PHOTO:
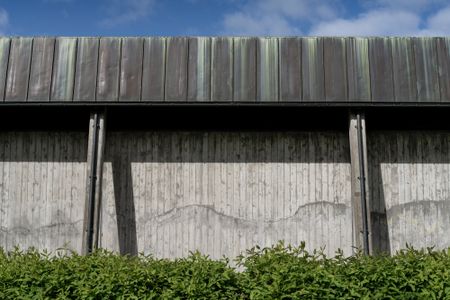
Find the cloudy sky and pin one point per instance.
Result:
(225, 17)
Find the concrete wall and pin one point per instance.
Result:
(42, 189)
(221, 193)
(168, 193)
(410, 188)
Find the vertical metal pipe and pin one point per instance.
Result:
(92, 184)
(362, 182)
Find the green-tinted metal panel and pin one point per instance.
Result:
(404, 71)
(425, 55)
(335, 69)
(443, 49)
(154, 69)
(290, 69)
(4, 55)
(244, 69)
(381, 76)
(267, 69)
(41, 69)
(18, 69)
(64, 69)
(108, 69)
(86, 69)
(176, 69)
(131, 69)
(313, 69)
(358, 69)
(199, 69)
(222, 69)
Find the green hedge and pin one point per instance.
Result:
(270, 273)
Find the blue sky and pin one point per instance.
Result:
(225, 17)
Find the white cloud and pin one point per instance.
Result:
(4, 21)
(409, 5)
(245, 24)
(276, 17)
(379, 22)
(328, 17)
(387, 22)
(438, 24)
(126, 11)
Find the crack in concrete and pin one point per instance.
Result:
(27, 230)
(177, 211)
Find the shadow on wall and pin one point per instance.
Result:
(409, 175)
(124, 149)
(410, 189)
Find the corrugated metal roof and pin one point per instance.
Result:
(225, 69)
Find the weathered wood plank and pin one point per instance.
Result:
(154, 69)
(5, 44)
(356, 194)
(426, 61)
(244, 70)
(290, 70)
(313, 69)
(222, 69)
(99, 179)
(176, 71)
(18, 69)
(381, 76)
(41, 69)
(86, 69)
(64, 69)
(404, 71)
(108, 69)
(131, 69)
(358, 69)
(87, 205)
(199, 69)
(335, 69)
(267, 69)
(443, 50)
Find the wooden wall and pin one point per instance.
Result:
(169, 193)
(410, 188)
(42, 189)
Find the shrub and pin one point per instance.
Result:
(278, 272)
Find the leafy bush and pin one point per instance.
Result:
(278, 272)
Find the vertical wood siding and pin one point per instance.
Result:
(42, 184)
(169, 193)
